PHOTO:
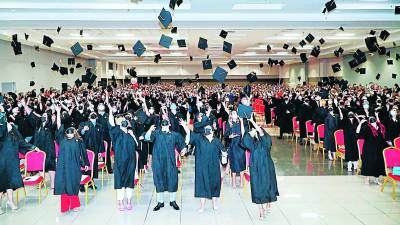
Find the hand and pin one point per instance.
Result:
(86, 128)
(183, 152)
(100, 155)
(86, 168)
(9, 127)
(233, 136)
(182, 123)
(141, 138)
(152, 128)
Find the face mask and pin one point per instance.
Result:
(393, 113)
(93, 117)
(69, 136)
(20, 105)
(365, 106)
(43, 119)
(124, 124)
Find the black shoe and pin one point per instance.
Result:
(158, 206)
(110, 171)
(174, 205)
(91, 187)
(82, 188)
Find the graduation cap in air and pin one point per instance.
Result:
(336, 67)
(172, 4)
(251, 77)
(14, 37)
(294, 50)
(78, 65)
(138, 48)
(63, 70)
(245, 111)
(384, 35)
(361, 70)
(78, 82)
(71, 61)
(341, 28)
(388, 53)
(179, 2)
(372, 32)
(16, 47)
(394, 75)
(382, 50)
(261, 65)
(231, 64)
(165, 41)
(89, 47)
(315, 51)
(378, 76)
(55, 67)
(299, 78)
(121, 48)
(302, 43)
(281, 63)
(389, 62)
(220, 74)
(270, 62)
(191, 58)
(178, 83)
(165, 18)
(76, 49)
(397, 56)
(303, 57)
(32, 83)
(181, 43)
(196, 76)
(397, 9)
(174, 30)
(285, 46)
(268, 48)
(26, 36)
(58, 30)
(202, 43)
(71, 70)
(223, 34)
(36, 47)
(321, 41)
(33, 64)
(227, 47)
(207, 64)
(372, 44)
(47, 41)
(157, 58)
(310, 38)
(132, 71)
(329, 6)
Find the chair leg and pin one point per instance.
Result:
(40, 192)
(102, 177)
(94, 188)
(384, 183)
(394, 185)
(86, 193)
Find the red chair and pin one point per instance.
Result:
(21, 163)
(273, 116)
(296, 128)
(397, 142)
(310, 133)
(102, 164)
(391, 156)
(87, 180)
(35, 163)
(261, 109)
(339, 143)
(224, 127)
(321, 135)
(57, 148)
(219, 121)
(360, 145)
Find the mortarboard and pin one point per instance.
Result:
(165, 18)
(378, 76)
(181, 43)
(139, 49)
(132, 71)
(220, 74)
(174, 30)
(207, 64)
(251, 77)
(310, 38)
(16, 47)
(165, 41)
(223, 34)
(191, 58)
(26, 36)
(336, 67)
(121, 48)
(78, 82)
(227, 47)
(78, 65)
(303, 57)
(315, 51)
(245, 111)
(71, 70)
(58, 30)
(33, 64)
(372, 32)
(179, 2)
(294, 50)
(397, 56)
(89, 47)
(330, 5)
(71, 61)
(281, 63)
(390, 62)
(285, 46)
(363, 70)
(231, 64)
(302, 43)
(299, 78)
(388, 53)
(81, 32)
(36, 47)
(270, 62)
(382, 50)
(47, 41)
(341, 28)
(321, 41)
(202, 43)
(63, 70)
(372, 44)
(397, 9)
(32, 83)
(157, 58)
(14, 37)
(384, 35)
(196, 76)
(261, 65)
(268, 48)
(76, 49)
(55, 67)
(394, 75)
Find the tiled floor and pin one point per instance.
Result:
(307, 197)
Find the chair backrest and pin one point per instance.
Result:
(262, 108)
(294, 123)
(57, 148)
(90, 155)
(21, 156)
(339, 137)
(391, 156)
(309, 127)
(321, 132)
(219, 123)
(104, 154)
(35, 161)
(397, 142)
(360, 146)
(273, 115)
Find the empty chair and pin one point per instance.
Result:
(391, 156)
(296, 128)
(321, 135)
(87, 180)
(339, 143)
(310, 133)
(102, 164)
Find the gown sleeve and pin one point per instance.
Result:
(23, 146)
(194, 138)
(247, 142)
(179, 142)
(84, 156)
(60, 134)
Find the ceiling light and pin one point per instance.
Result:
(257, 7)
(365, 6)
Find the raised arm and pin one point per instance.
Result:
(58, 120)
(187, 130)
(111, 119)
(241, 126)
(258, 128)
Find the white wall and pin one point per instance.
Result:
(18, 69)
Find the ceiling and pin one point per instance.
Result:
(251, 25)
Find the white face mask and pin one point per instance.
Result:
(393, 113)
(365, 106)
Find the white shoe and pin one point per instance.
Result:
(376, 181)
(12, 205)
(201, 210)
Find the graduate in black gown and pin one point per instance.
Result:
(264, 187)
(165, 172)
(304, 114)
(92, 133)
(72, 156)
(284, 114)
(125, 164)
(11, 143)
(349, 125)
(103, 120)
(392, 125)
(207, 165)
(331, 125)
(236, 153)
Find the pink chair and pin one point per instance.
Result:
(102, 165)
(339, 143)
(219, 121)
(247, 160)
(310, 133)
(87, 180)
(397, 142)
(35, 163)
(57, 148)
(296, 128)
(391, 155)
(224, 127)
(321, 135)
(360, 145)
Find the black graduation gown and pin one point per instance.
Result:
(124, 158)
(392, 129)
(71, 157)
(305, 113)
(138, 128)
(264, 187)
(318, 118)
(267, 111)
(10, 144)
(331, 125)
(94, 141)
(148, 148)
(44, 140)
(350, 139)
(236, 154)
(165, 172)
(372, 156)
(207, 166)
